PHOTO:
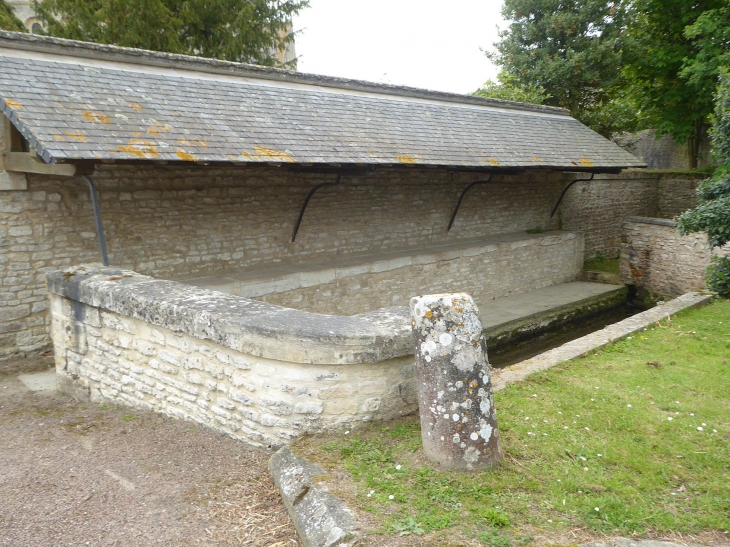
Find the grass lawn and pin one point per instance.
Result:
(632, 440)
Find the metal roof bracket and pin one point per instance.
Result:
(568, 188)
(461, 198)
(306, 202)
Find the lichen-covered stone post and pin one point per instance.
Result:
(455, 399)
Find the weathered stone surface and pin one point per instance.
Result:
(657, 259)
(456, 404)
(320, 519)
(163, 346)
(172, 221)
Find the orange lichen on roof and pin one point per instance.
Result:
(153, 131)
(493, 161)
(162, 126)
(58, 137)
(136, 106)
(136, 133)
(264, 153)
(197, 143)
(13, 104)
(411, 160)
(140, 148)
(76, 135)
(585, 162)
(96, 117)
(185, 156)
(538, 159)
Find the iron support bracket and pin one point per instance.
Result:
(461, 198)
(306, 202)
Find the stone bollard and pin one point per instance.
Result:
(455, 399)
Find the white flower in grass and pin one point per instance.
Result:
(397, 467)
(599, 455)
(699, 429)
(628, 406)
(704, 425)
(670, 418)
(597, 509)
(565, 427)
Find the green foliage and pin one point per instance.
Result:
(249, 31)
(495, 518)
(8, 21)
(720, 131)
(673, 68)
(572, 52)
(717, 275)
(712, 215)
(509, 88)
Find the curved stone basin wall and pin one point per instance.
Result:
(257, 372)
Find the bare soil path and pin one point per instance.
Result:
(86, 474)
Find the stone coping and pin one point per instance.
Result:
(651, 220)
(255, 282)
(251, 327)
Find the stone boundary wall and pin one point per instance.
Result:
(486, 269)
(259, 373)
(657, 259)
(170, 221)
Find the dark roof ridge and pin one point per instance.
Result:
(75, 48)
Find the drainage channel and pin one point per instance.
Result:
(512, 353)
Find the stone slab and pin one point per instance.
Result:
(321, 520)
(584, 345)
(40, 381)
(516, 317)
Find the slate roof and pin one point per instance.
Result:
(124, 110)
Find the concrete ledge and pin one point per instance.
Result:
(321, 520)
(582, 346)
(652, 220)
(596, 298)
(251, 327)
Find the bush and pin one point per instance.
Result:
(717, 275)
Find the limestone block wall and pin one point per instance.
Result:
(657, 259)
(170, 221)
(257, 372)
(677, 194)
(486, 269)
(600, 208)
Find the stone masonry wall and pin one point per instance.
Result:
(203, 356)
(500, 267)
(171, 221)
(656, 259)
(676, 195)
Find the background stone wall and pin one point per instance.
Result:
(172, 221)
(657, 259)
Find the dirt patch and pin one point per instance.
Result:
(86, 474)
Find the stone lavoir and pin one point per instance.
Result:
(330, 202)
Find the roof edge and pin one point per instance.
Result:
(60, 46)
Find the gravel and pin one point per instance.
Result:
(87, 474)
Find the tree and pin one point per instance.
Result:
(509, 88)
(249, 31)
(673, 69)
(573, 51)
(8, 21)
(712, 215)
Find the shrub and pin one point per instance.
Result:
(717, 275)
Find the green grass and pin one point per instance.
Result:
(608, 443)
(602, 264)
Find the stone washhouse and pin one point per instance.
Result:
(237, 245)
